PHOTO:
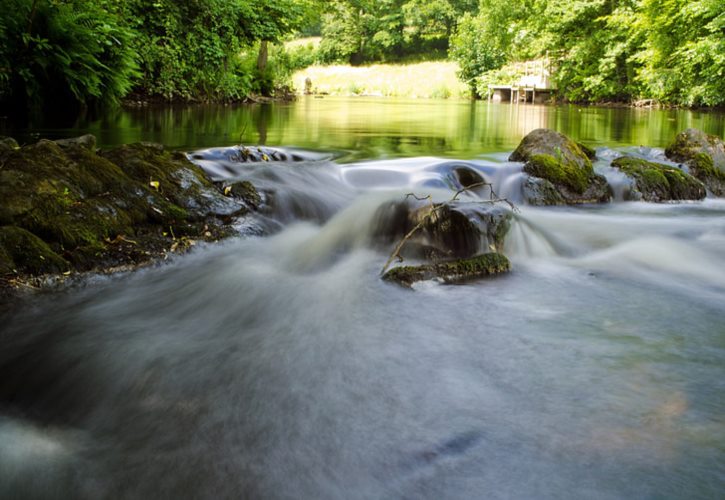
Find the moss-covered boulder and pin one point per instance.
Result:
(554, 157)
(455, 271)
(656, 182)
(704, 155)
(447, 230)
(22, 251)
(75, 208)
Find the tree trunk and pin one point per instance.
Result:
(262, 57)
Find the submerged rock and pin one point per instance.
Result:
(555, 158)
(456, 271)
(704, 155)
(74, 209)
(656, 182)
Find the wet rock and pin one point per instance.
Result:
(704, 155)
(657, 183)
(540, 192)
(452, 229)
(552, 156)
(455, 271)
(22, 251)
(244, 191)
(87, 141)
(75, 209)
(255, 154)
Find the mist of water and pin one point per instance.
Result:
(283, 367)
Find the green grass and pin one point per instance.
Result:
(432, 79)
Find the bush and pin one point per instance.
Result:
(52, 52)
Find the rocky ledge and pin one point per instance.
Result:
(68, 207)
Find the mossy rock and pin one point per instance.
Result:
(456, 271)
(123, 206)
(175, 180)
(244, 191)
(589, 152)
(8, 144)
(453, 229)
(657, 183)
(22, 251)
(87, 141)
(704, 155)
(566, 165)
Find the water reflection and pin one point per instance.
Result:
(380, 127)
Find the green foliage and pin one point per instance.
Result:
(78, 50)
(359, 31)
(488, 40)
(669, 50)
(98, 51)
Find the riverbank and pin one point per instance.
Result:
(69, 208)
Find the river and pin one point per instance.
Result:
(281, 366)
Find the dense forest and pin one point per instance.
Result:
(91, 52)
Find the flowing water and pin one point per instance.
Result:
(279, 365)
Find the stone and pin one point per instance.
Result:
(453, 229)
(451, 272)
(657, 183)
(554, 157)
(87, 141)
(703, 154)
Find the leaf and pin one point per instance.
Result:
(155, 184)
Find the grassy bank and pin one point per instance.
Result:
(436, 79)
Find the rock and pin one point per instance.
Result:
(22, 251)
(244, 191)
(180, 181)
(554, 157)
(76, 209)
(8, 144)
(704, 155)
(456, 271)
(589, 152)
(656, 182)
(87, 141)
(454, 229)
(539, 191)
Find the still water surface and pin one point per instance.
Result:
(283, 367)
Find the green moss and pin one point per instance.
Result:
(22, 251)
(559, 171)
(586, 150)
(245, 191)
(456, 271)
(703, 166)
(659, 182)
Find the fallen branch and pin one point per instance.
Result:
(433, 209)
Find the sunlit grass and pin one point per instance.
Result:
(435, 79)
(303, 42)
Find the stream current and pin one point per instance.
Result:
(279, 365)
